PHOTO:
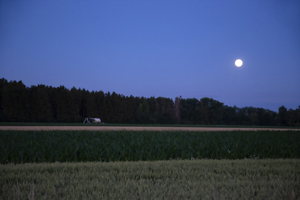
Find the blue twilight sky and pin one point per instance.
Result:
(157, 48)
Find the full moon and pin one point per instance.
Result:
(238, 63)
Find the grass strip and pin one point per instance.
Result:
(196, 179)
(141, 125)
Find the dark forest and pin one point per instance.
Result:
(41, 103)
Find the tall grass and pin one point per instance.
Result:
(82, 146)
(196, 179)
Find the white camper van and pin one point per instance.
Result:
(92, 120)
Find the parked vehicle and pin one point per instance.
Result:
(92, 120)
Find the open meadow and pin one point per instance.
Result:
(93, 162)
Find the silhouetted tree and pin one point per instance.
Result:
(177, 110)
(40, 107)
(143, 113)
(15, 102)
(3, 83)
(282, 117)
(229, 115)
(41, 103)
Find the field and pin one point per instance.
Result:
(91, 146)
(146, 164)
(193, 179)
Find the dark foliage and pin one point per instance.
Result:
(83, 146)
(41, 103)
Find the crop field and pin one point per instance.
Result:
(90, 146)
(65, 164)
(193, 179)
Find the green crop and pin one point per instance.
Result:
(83, 146)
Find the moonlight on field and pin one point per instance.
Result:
(238, 63)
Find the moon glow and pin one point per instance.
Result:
(238, 63)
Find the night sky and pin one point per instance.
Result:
(160, 48)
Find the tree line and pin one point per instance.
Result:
(41, 103)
